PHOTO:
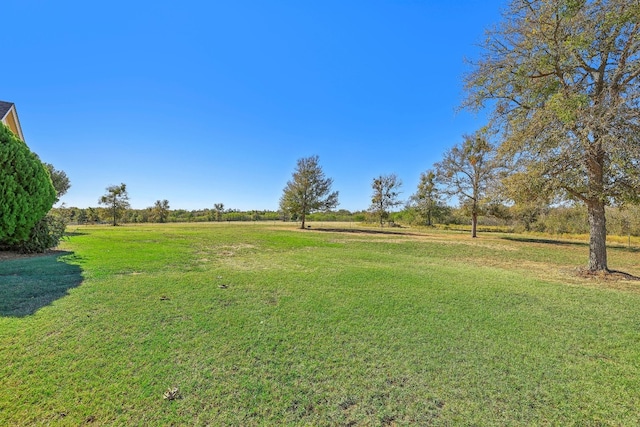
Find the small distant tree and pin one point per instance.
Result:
(160, 210)
(308, 191)
(26, 191)
(116, 199)
(60, 181)
(386, 190)
(427, 200)
(466, 171)
(93, 215)
(219, 209)
(82, 216)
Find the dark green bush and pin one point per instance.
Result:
(26, 191)
(46, 234)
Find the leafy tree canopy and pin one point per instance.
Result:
(427, 200)
(466, 171)
(60, 181)
(160, 210)
(563, 80)
(385, 196)
(308, 191)
(219, 210)
(117, 199)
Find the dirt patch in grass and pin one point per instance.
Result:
(617, 280)
(563, 274)
(606, 276)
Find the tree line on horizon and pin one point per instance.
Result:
(555, 220)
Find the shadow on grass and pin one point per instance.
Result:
(365, 231)
(625, 276)
(619, 248)
(546, 241)
(74, 233)
(30, 283)
(610, 246)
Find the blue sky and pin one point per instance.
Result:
(203, 102)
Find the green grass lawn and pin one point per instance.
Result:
(267, 325)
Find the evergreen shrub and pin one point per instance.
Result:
(26, 190)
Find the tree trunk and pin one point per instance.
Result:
(597, 236)
(303, 212)
(474, 207)
(474, 224)
(595, 208)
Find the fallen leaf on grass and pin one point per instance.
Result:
(172, 393)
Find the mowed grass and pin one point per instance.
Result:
(262, 324)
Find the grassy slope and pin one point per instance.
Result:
(317, 328)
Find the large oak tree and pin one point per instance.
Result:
(308, 191)
(563, 80)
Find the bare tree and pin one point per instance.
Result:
(308, 191)
(563, 80)
(466, 171)
(386, 190)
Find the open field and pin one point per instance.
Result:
(263, 324)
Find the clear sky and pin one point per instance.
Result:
(203, 102)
